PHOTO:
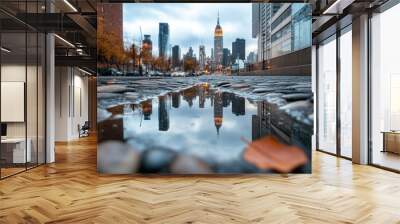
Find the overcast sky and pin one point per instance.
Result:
(190, 24)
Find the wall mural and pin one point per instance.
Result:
(193, 88)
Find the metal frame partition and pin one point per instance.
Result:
(382, 8)
(339, 28)
(38, 118)
(336, 30)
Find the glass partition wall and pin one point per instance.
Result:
(334, 94)
(326, 59)
(22, 77)
(345, 90)
(385, 89)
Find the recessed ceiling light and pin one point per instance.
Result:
(84, 71)
(70, 5)
(337, 7)
(5, 50)
(64, 40)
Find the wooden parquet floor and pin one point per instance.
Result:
(70, 191)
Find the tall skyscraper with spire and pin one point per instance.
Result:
(218, 43)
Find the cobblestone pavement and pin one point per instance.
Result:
(291, 94)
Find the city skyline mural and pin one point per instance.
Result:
(204, 88)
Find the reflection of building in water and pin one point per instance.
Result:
(218, 110)
(189, 95)
(110, 129)
(238, 105)
(163, 115)
(176, 99)
(255, 127)
(261, 124)
(226, 99)
(212, 94)
(147, 108)
(201, 92)
(116, 110)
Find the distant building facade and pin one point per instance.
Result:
(202, 57)
(176, 56)
(239, 49)
(251, 58)
(226, 57)
(163, 40)
(147, 45)
(189, 54)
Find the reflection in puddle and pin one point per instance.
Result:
(196, 130)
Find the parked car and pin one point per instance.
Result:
(178, 74)
(135, 73)
(110, 72)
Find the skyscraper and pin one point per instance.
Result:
(218, 43)
(147, 46)
(176, 56)
(163, 39)
(239, 49)
(226, 57)
(252, 58)
(202, 57)
(189, 54)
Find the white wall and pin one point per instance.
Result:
(16, 73)
(33, 126)
(71, 102)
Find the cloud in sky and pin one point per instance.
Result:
(190, 24)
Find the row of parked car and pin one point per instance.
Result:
(186, 74)
(116, 72)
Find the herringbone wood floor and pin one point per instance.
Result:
(70, 191)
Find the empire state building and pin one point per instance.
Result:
(218, 43)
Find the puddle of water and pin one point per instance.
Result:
(208, 128)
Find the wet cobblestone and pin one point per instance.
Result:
(291, 95)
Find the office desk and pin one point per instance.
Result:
(391, 141)
(13, 150)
